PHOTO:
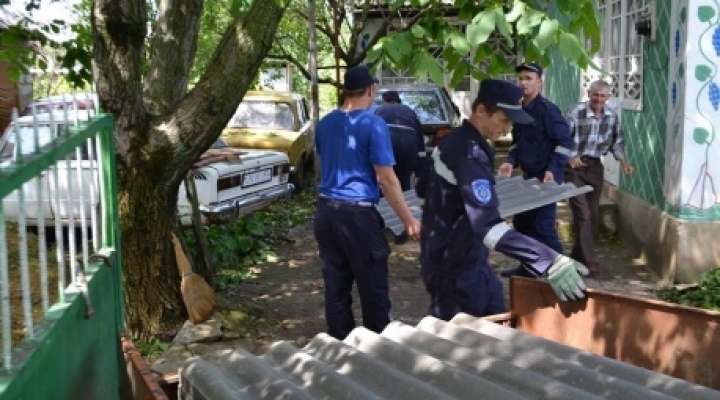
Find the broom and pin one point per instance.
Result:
(198, 296)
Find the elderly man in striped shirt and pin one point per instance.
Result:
(595, 131)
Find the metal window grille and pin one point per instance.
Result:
(621, 52)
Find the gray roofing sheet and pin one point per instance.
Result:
(466, 358)
(515, 195)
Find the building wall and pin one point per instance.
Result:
(692, 187)
(562, 79)
(645, 130)
(670, 209)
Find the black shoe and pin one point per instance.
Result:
(519, 271)
(401, 238)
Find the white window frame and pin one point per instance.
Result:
(621, 53)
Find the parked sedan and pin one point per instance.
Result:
(83, 101)
(275, 121)
(230, 182)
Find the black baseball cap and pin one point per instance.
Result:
(505, 96)
(530, 66)
(391, 96)
(358, 77)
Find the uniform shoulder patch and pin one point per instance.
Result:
(481, 190)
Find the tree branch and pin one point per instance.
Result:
(173, 43)
(302, 69)
(119, 30)
(202, 114)
(355, 58)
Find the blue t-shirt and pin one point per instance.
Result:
(349, 145)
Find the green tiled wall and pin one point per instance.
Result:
(645, 130)
(562, 83)
(562, 80)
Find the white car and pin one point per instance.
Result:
(239, 182)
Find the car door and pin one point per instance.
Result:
(308, 126)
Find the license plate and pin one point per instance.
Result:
(257, 177)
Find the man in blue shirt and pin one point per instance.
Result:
(461, 221)
(356, 159)
(541, 148)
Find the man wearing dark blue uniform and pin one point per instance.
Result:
(461, 221)
(406, 134)
(356, 158)
(541, 148)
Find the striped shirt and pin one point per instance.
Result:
(592, 136)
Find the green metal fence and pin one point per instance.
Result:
(60, 276)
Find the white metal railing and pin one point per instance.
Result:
(57, 201)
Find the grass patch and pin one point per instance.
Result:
(238, 246)
(17, 312)
(705, 295)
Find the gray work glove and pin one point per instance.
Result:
(564, 276)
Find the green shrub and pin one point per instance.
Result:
(237, 246)
(706, 295)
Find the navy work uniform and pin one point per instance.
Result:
(540, 146)
(347, 226)
(461, 220)
(407, 137)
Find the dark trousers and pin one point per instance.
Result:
(477, 292)
(540, 224)
(353, 248)
(405, 148)
(586, 209)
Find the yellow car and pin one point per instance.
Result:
(275, 121)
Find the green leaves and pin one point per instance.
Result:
(702, 72)
(529, 20)
(484, 35)
(701, 135)
(430, 64)
(706, 13)
(479, 30)
(569, 46)
(547, 33)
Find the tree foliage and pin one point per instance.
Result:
(533, 26)
(409, 33)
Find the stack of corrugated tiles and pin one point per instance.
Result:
(466, 358)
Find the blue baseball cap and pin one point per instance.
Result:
(530, 66)
(505, 96)
(358, 77)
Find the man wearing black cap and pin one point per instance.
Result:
(461, 221)
(541, 148)
(355, 159)
(406, 135)
(407, 140)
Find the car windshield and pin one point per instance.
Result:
(219, 144)
(426, 104)
(263, 114)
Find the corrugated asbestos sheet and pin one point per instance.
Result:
(466, 358)
(515, 195)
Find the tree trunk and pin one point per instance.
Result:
(151, 287)
(160, 131)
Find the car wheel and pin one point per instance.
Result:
(297, 178)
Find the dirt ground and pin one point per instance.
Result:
(286, 298)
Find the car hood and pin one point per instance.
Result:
(249, 159)
(259, 138)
